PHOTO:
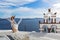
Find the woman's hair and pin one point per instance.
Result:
(12, 17)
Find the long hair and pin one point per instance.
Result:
(12, 17)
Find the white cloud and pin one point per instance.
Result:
(19, 1)
(58, 12)
(45, 0)
(54, 5)
(57, 5)
(32, 13)
(24, 11)
(7, 3)
(52, 2)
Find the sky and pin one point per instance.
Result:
(28, 8)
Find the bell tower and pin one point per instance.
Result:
(50, 17)
(45, 18)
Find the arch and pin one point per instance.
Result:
(45, 27)
(53, 28)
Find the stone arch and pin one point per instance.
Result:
(45, 27)
(53, 28)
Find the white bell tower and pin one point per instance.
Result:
(49, 16)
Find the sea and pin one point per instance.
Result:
(27, 24)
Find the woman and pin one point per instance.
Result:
(17, 35)
(14, 25)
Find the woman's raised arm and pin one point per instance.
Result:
(20, 21)
(8, 19)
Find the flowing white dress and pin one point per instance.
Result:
(14, 24)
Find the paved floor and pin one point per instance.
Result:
(45, 36)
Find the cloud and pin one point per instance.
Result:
(13, 7)
(57, 5)
(16, 3)
(35, 13)
(30, 12)
(54, 5)
(52, 2)
(45, 0)
(24, 12)
(58, 12)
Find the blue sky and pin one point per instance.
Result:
(37, 4)
(27, 8)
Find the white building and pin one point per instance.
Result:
(50, 24)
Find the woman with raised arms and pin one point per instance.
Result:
(14, 25)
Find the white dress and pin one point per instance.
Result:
(14, 24)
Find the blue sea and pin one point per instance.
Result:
(27, 24)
